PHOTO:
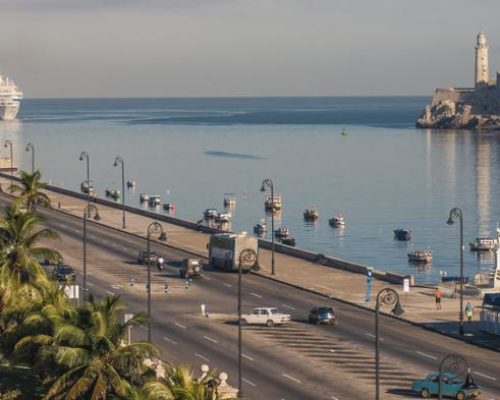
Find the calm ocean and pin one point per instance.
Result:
(384, 174)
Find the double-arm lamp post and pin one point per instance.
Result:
(30, 146)
(389, 297)
(119, 160)
(153, 228)
(456, 213)
(268, 183)
(89, 211)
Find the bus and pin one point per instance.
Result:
(227, 250)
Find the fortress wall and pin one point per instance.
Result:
(445, 95)
(483, 101)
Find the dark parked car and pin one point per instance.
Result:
(144, 258)
(63, 273)
(322, 315)
(191, 268)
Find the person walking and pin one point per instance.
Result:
(468, 311)
(437, 296)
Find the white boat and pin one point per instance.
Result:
(229, 200)
(311, 214)
(10, 99)
(273, 203)
(210, 214)
(260, 228)
(338, 221)
(144, 197)
(87, 187)
(282, 232)
(486, 243)
(223, 217)
(154, 200)
(420, 256)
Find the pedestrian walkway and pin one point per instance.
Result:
(419, 304)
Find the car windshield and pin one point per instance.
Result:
(325, 310)
(65, 270)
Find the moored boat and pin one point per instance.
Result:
(311, 214)
(420, 256)
(87, 187)
(260, 228)
(131, 184)
(288, 240)
(144, 197)
(402, 234)
(229, 200)
(154, 200)
(484, 243)
(223, 217)
(338, 221)
(282, 232)
(169, 206)
(273, 202)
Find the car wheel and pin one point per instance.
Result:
(425, 393)
(270, 323)
(460, 396)
(244, 322)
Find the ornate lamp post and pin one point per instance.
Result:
(456, 213)
(247, 256)
(31, 147)
(89, 210)
(9, 144)
(153, 228)
(456, 365)
(119, 160)
(85, 155)
(269, 183)
(388, 297)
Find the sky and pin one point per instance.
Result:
(191, 48)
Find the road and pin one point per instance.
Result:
(298, 361)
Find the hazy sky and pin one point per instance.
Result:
(170, 48)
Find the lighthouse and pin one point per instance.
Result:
(482, 72)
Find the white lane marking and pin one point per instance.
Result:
(256, 295)
(332, 351)
(62, 225)
(110, 293)
(169, 340)
(373, 336)
(248, 382)
(426, 355)
(247, 357)
(210, 339)
(179, 325)
(484, 375)
(287, 306)
(90, 283)
(333, 398)
(117, 287)
(227, 284)
(291, 378)
(202, 357)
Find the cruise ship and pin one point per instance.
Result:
(10, 99)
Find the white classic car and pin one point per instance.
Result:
(269, 316)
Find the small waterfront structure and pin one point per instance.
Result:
(273, 202)
(229, 200)
(154, 200)
(420, 256)
(144, 197)
(338, 221)
(210, 214)
(282, 232)
(311, 214)
(402, 234)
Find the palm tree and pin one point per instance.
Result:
(19, 252)
(30, 191)
(93, 363)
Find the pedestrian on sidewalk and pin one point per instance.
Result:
(437, 296)
(468, 311)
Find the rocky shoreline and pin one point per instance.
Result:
(449, 115)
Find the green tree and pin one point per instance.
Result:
(30, 191)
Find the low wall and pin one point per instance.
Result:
(328, 261)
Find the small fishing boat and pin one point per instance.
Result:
(337, 221)
(484, 243)
(289, 241)
(420, 256)
(311, 214)
(210, 214)
(115, 194)
(87, 187)
(108, 192)
(402, 234)
(169, 206)
(131, 184)
(154, 200)
(260, 228)
(144, 197)
(223, 217)
(282, 232)
(273, 202)
(229, 200)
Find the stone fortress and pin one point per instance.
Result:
(467, 108)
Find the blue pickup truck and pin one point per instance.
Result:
(451, 386)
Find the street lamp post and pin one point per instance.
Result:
(119, 160)
(31, 147)
(89, 210)
(247, 256)
(153, 228)
(85, 155)
(269, 183)
(388, 297)
(9, 144)
(456, 213)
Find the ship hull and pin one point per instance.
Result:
(8, 113)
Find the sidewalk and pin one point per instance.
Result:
(419, 304)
